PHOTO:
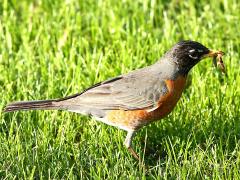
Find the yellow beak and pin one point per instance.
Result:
(213, 53)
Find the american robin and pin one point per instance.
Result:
(131, 101)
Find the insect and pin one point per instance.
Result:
(218, 62)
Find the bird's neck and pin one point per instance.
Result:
(171, 69)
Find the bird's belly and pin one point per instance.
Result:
(134, 119)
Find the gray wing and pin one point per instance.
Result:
(133, 91)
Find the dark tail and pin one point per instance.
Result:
(28, 105)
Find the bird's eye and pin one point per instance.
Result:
(193, 54)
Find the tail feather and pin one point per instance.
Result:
(28, 105)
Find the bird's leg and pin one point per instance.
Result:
(128, 142)
(130, 149)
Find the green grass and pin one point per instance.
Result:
(51, 49)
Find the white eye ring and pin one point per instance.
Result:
(193, 56)
(198, 50)
(192, 51)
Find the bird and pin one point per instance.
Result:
(133, 100)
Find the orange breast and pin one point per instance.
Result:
(169, 101)
(135, 119)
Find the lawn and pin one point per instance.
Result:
(51, 49)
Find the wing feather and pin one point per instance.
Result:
(129, 92)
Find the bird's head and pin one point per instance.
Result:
(186, 54)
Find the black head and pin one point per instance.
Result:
(186, 54)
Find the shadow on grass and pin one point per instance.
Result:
(223, 132)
